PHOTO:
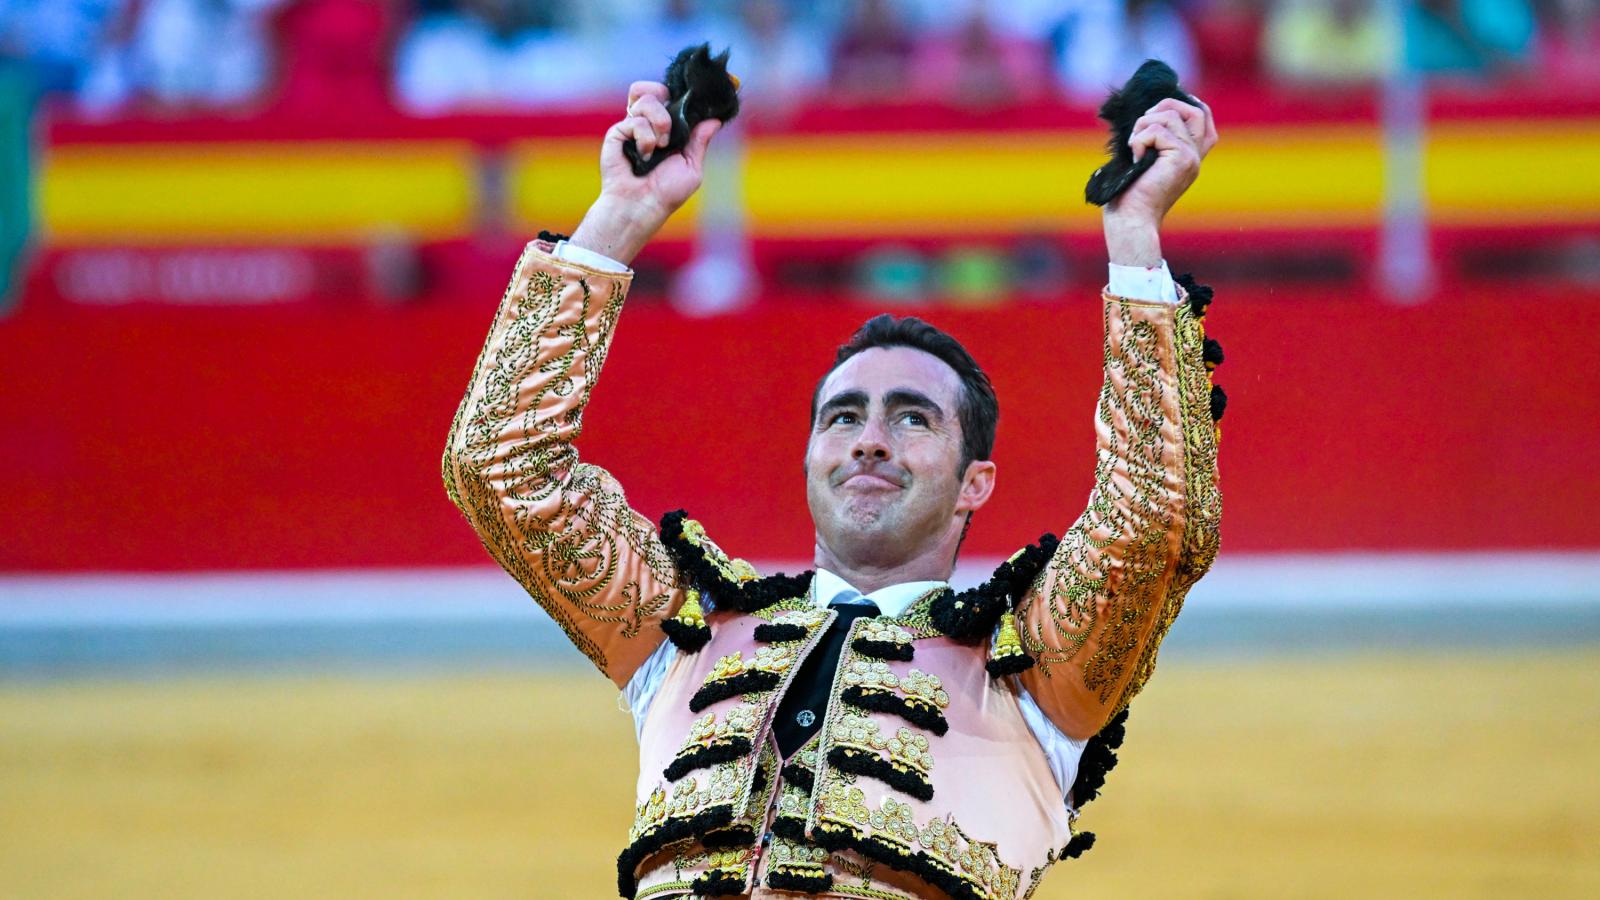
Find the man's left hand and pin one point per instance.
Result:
(1182, 134)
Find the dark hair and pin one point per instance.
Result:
(979, 409)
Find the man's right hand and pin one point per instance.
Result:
(630, 209)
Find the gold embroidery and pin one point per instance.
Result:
(775, 659)
(884, 632)
(1202, 497)
(908, 751)
(975, 862)
(916, 685)
(1135, 509)
(741, 721)
(561, 528)
(735, 570)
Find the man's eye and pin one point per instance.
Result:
(916, 418)
(843, 418)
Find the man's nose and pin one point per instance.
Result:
(872, 443)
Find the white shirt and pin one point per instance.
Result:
(1060, 751)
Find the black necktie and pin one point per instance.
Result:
(800, 714)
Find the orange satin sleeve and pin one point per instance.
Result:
(1095, 618)
(562, 528)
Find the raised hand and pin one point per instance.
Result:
(1182, 134)
(630, 209)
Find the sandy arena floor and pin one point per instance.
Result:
(1460, 775)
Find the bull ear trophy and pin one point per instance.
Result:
(1154, 82)
(699, 87)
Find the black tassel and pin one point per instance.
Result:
(798, 775)
(834, 836)
(668, 832)
(1098, 759)
(745, 596)
(888, 650)
(748, 682)
(725, 750)
(1211, 352)
(787, 877)
(688, 638)
(718, 883)
(916, 711)
(553, 237)
(1080, 844)
(862, 762)
(780, 632)
(1199, 294)
(1219, 403)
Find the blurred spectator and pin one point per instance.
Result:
(872, 54)
(1569, 43)
(334, 57)
(54, 38)
(644, 43)
(1102, 42)
(1471, 37)
(974, 65)
(778, 61)
(183, 56)
(489, 55)
(1228, 38)
(1329, 42)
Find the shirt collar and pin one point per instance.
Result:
(892, 601)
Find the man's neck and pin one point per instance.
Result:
(934, 564)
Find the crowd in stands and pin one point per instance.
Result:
(111, 58)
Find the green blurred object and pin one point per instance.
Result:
(975, 276)
(16, 182)
(894, 275)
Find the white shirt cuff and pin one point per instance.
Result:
(1143, 283)
(586, 257)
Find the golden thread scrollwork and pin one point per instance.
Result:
(561, 528)
(1091, 576)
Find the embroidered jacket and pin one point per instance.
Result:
(895, 796)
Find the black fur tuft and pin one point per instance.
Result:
(1153, 82)
(698, 88)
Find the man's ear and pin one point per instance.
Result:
(977, 483)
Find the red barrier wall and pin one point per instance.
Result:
(158, 439)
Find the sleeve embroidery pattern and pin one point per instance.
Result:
(1202, 495)
(559, 527)
(1087, 571)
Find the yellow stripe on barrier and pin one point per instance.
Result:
(936, 184)
(280, 191)
(1514, 172)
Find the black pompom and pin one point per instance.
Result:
(553, 237)
(1076, 847)
(1211, 352)
(698, 88)
(1152, 83)
(688, 638)
(1099, 757)
(1199, 294)
(1219, 403)
(1015, 664)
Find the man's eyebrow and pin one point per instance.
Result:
(916, 399)
(843, 400)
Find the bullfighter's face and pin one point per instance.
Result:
(884, 479)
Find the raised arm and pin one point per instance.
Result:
(1097, 615)
(560, 527)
